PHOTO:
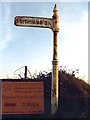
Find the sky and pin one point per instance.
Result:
(33, 47)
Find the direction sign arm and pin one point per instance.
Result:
(33, 22)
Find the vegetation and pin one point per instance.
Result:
(74, 94)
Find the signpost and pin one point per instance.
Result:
(53, 24)
(33, 22)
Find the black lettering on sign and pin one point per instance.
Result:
(29, 22)
(17, 20)
(41, 22)
(37, 21)
(33, 21)
(32, 104)
(25, 21)
(49, 23)
(45, 22)
(21, 21)
(10, 104)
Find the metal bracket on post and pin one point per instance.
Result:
(54, 84)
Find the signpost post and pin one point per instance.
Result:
(53, 24)
(54, 87)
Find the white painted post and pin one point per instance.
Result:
(54, 84)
